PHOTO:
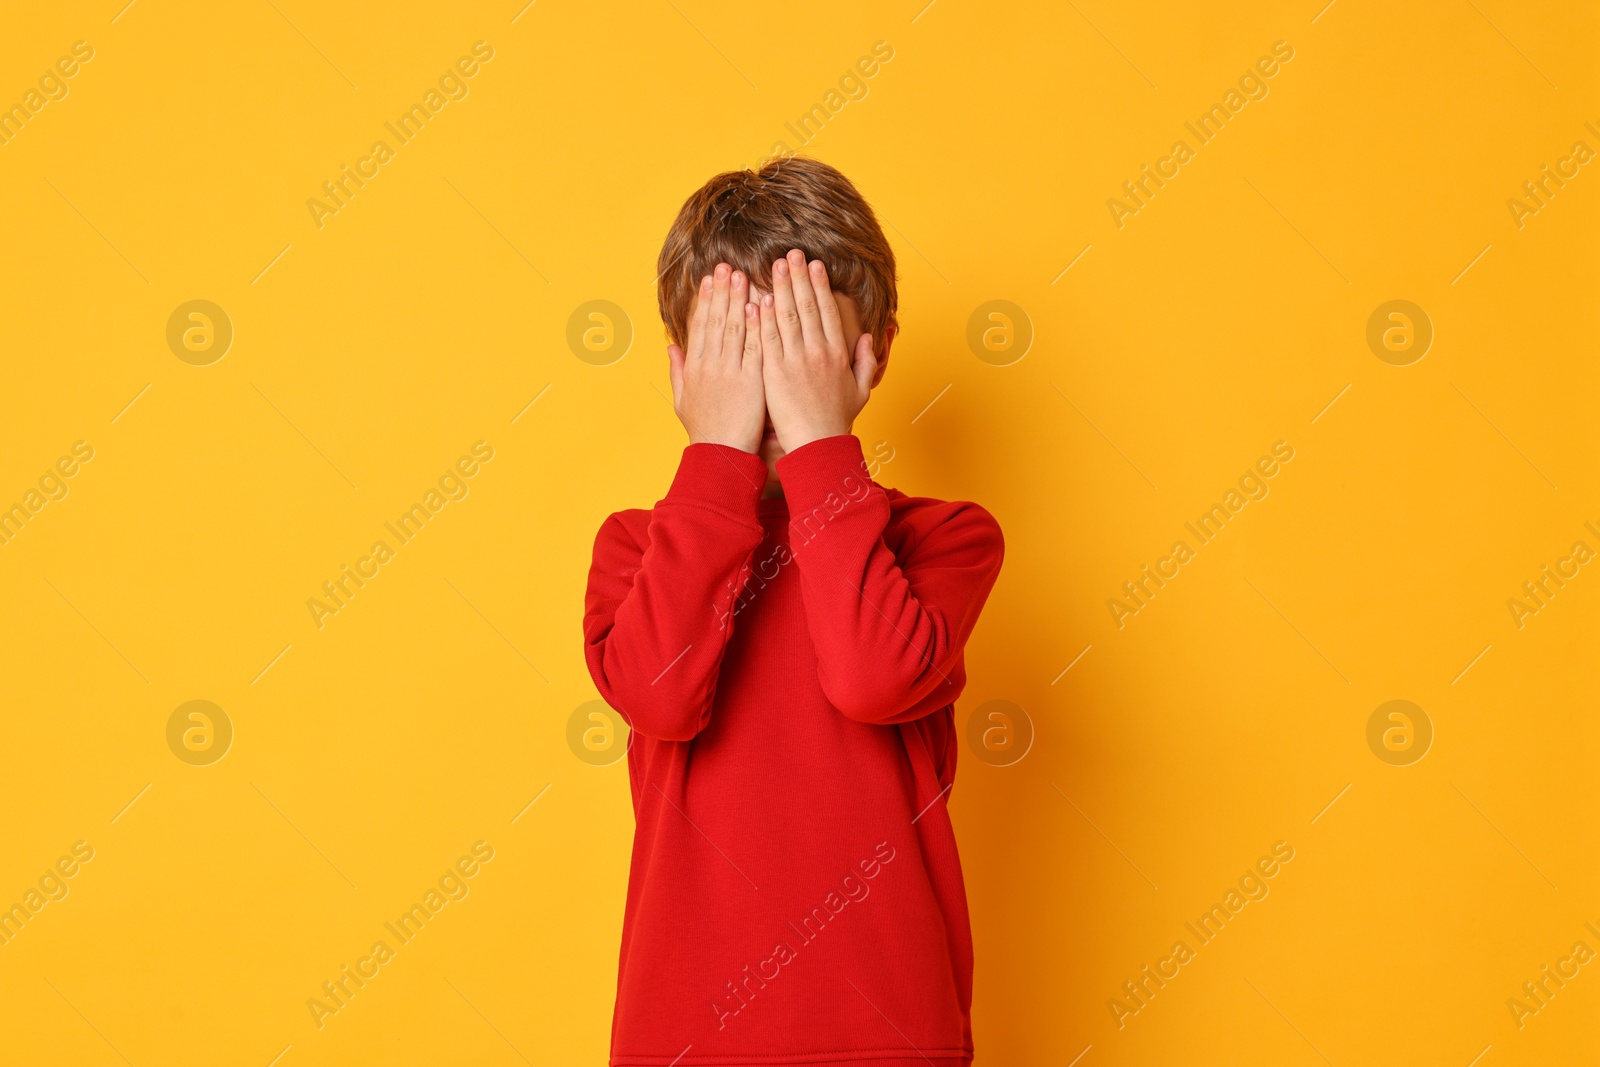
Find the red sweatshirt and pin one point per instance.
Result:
(789, 669)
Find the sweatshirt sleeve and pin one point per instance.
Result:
(889, 625)
(657, 615)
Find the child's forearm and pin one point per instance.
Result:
(658, 612)
(889, 632)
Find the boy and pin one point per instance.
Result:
(784, 636)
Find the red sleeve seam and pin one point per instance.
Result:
(712, 509)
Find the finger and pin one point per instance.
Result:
(785, 312)
(865, 366)
(805, 298)
(827, 306)
(697, 322)
(771, 336)
(675, 359)
(738, 297)
(751, 360)
(717, 318)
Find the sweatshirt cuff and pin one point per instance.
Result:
(828, 465)
(721, 478)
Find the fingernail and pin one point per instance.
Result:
(705, 283)
(766, 300)
(738, 277)
(782, 268)
(749, 311)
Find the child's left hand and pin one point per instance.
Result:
(815, 387)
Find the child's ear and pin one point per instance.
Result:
(881, 353)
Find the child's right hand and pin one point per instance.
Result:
(716, 384)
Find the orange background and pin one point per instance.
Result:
(370, 353)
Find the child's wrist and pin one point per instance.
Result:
(742, 442)
(719, 477)
(798, 438)
(830, 466)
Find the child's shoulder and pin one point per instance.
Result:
(916, 518)
(626, 529)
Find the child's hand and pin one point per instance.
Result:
(716, 385)
(815, 388)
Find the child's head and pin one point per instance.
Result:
(748, 219)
